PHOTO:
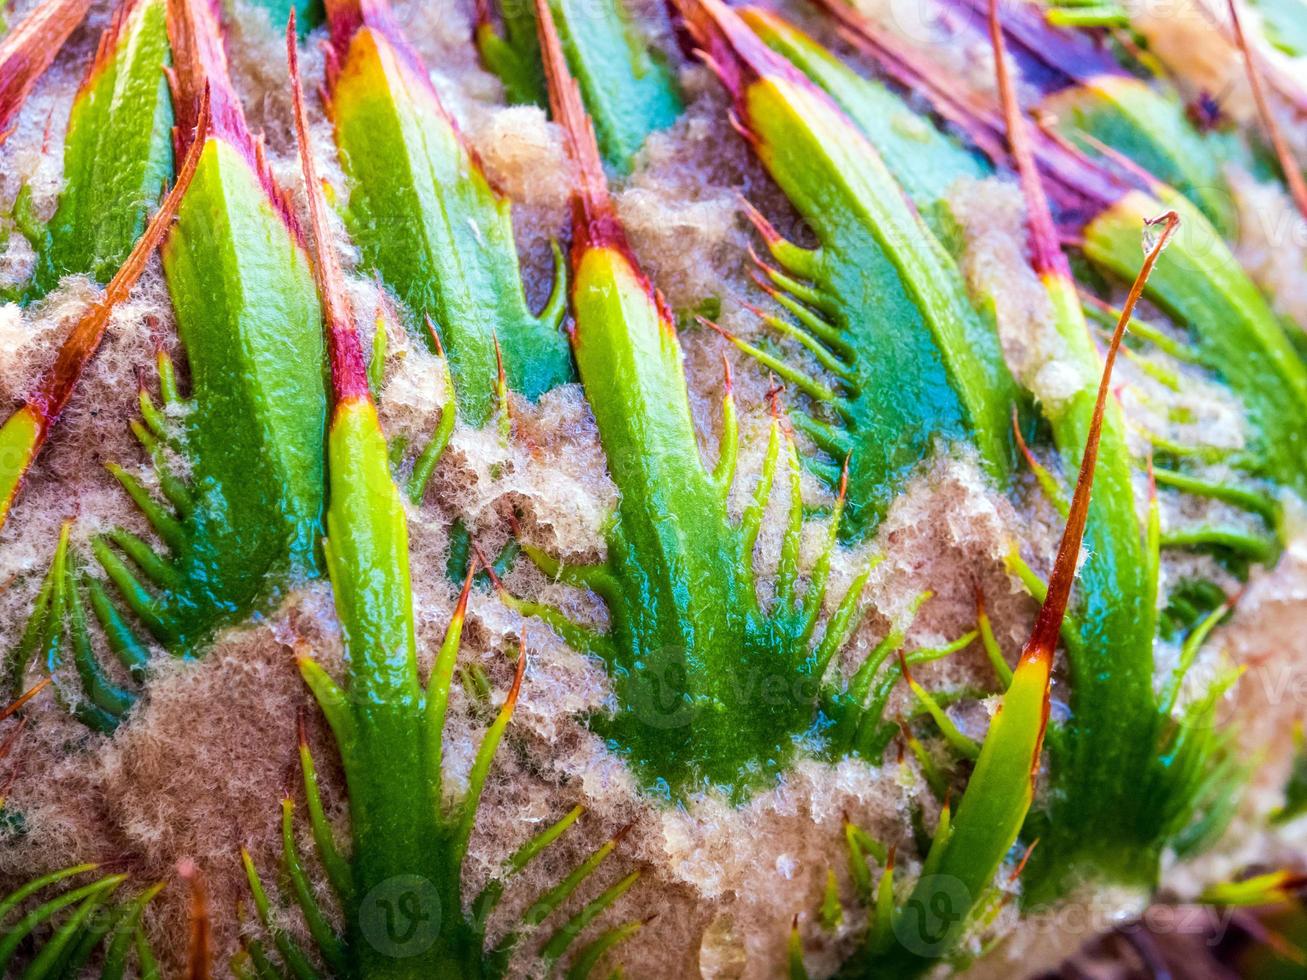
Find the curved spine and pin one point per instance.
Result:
(972, 840)
(24, 433)
(1126, 769)
(1108, 747)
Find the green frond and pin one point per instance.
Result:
(589, 957)
(566, 934)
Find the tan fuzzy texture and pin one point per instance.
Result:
(1272, 243)
(200, 767)
(992, 215)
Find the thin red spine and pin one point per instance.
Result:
(594, 218)
(28, 51)
(1292, 173)
(348, 372)
(1044, 637)
(200, 62)
(1045, 252)
(56, 387)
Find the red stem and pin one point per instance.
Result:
(349, 373)
(1292, 174)
(56, 387)
(28, 51)
(1045, 252)
(594, 218)
(1043, 639)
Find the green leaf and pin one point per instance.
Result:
(117, 152)
(880, 304)
(627, 88)
(428, 221)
